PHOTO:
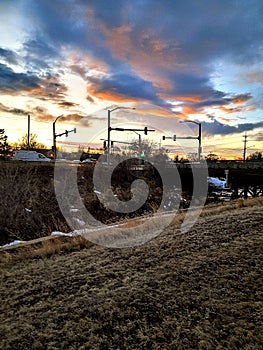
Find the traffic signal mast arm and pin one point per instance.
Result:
(180, 138)
(145, 130)
(65, 133)
(187, 137)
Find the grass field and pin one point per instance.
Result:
(198, 290)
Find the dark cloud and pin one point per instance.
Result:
(9, 56)
(42, 114)
(74, 117)
(51, 89)
(205, 30)
(63, 23)
(67, 104)
(187, 83)
(217, 128)
(12, 82)
(90, 99)
(219, 98)
(129, 86)
(40, 54)
(17, 111)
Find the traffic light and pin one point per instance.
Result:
(104, 144)
(66, 133)
(75, 130)
(111, 143)
(174, 137)
(163, 137)
(145, 130)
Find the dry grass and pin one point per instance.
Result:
(199, 290)
(43, 248)
(28, 207)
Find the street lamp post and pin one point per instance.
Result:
(109, 128)
(54, 136)
(199, 138)
(140, 138)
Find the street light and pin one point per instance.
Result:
(140, 141)
(140, 138)
(109, 127)
(199, 138)
(54, 136)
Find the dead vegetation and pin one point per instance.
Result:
(198, 290)
(28, 206)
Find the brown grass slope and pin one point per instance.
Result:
(199, 290)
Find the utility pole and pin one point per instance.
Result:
(28, 132)
(245, 146)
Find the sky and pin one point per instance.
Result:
(174, 61)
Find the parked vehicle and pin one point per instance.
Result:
(89, 161)
(30, 156)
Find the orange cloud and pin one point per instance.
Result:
(158, 113)
(191, 98)
(188, 110)
(241, 99)
(144, 52)
(237, 109)
(83, 63)
(110, 96)
(255, 77)
(188, 98)
(226, 110)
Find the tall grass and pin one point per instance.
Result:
(28, 207)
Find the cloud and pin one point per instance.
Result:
(221, 100)
(258, 136)
(40, 54)
(12, 82)
(164, 54)
(9, 56)
(121, 86)
(217, 128)
(12, 110)
(67, 104)
(50, 89)
(161, 48)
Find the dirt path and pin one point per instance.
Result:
(199, 290)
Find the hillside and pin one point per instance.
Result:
(199, 290)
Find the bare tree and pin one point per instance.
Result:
(34, 144)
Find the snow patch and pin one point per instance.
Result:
(12, 243)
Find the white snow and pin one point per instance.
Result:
(74, 210)
(70, 234)
(12, 243)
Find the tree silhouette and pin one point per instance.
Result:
(4, 146)
(256, 156)
(34, 144)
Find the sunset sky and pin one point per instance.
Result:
(171, 60)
